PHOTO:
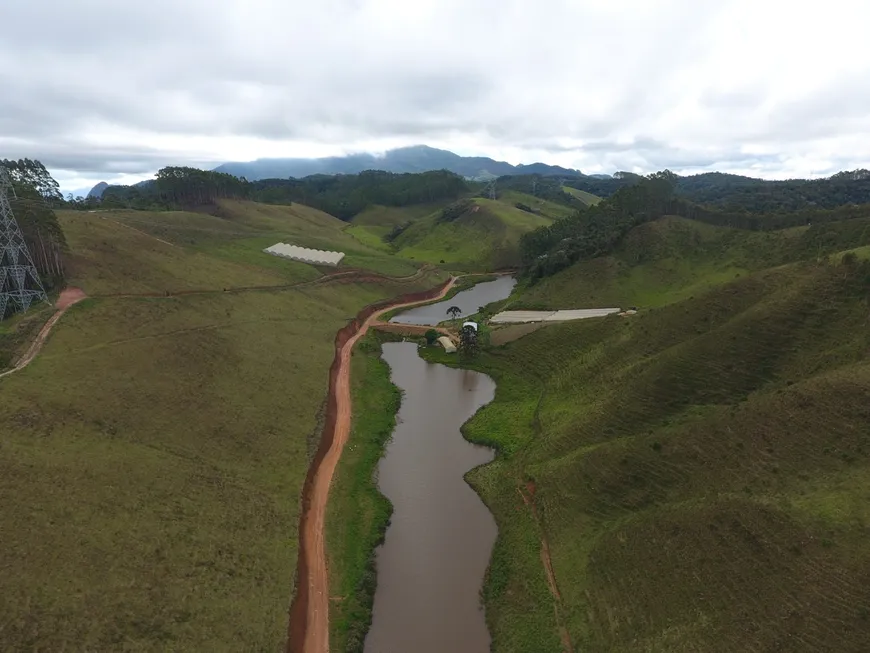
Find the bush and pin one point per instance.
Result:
(431, 337)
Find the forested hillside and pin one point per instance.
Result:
(745, 194)
(733, 192)
(598, 229)
(341, 195)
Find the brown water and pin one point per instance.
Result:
(468, 301)
(438, 544)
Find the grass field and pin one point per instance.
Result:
(673, 259)
(485, 237)
(157, 251)
(389, 216)
(698, 471)
(545, 208)
(154, 452)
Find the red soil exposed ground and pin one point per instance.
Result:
(67, 298)
(309, 614)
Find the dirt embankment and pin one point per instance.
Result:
(309, 611)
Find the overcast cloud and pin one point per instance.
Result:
(115, 89)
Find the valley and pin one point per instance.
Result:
(195, 446)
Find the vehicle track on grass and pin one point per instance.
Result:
(68, 297)
(309, 612)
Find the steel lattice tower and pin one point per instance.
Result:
(19, 281)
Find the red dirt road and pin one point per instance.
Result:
(67, 298)
(309, 615)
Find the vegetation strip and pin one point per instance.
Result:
(358, 513)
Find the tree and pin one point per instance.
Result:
(468, 343)
(36, 192)
(431, 336)
(454, 312)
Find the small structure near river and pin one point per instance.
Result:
(518, 317)
(448, 345)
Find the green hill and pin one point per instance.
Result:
(674, 258)
(153, 454)
(484, 236)
(372, 225)
(694, 474)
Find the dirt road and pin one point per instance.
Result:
(309, 622)
(67, 298)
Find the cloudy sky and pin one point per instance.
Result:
(115, 89)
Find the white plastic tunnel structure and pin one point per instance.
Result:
(305, 255)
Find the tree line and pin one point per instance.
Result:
(736, 193)
(36, 195)
(343, 196)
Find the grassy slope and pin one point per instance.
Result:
(486, 236)
(370, 226)
(153, 454)
(697, 469)
(237, 234)
(673, 258)
(545, 208)
(587, 198)
(388, 216)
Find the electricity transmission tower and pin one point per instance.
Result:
(19, 282)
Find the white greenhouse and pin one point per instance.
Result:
(305, 255)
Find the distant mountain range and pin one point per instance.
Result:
(417, 158)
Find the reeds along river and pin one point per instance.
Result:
(438, 544)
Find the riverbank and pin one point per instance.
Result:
(309, 611)
(520, 610)
(463, 283)
(358, 513)
(437, 547)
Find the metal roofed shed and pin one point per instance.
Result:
(473, 325)
(448, 345)
(305, 254)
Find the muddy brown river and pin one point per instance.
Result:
(468, 301)
(438, 544)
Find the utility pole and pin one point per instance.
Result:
(20, 285)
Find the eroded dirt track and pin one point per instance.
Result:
(309, 614)
(67, 298)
